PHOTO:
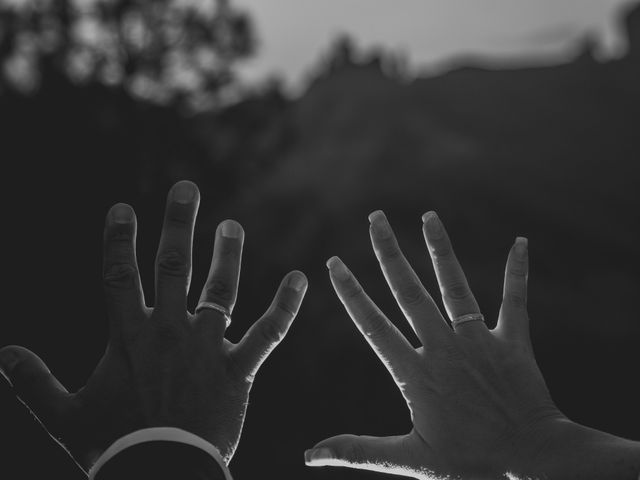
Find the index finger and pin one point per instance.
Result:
(264, 335)
(391, 346)
(456, 294)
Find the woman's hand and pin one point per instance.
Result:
(163, 366)
(479, 404)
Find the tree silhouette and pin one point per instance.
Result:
(163, 51)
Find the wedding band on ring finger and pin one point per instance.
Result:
(216, 307)
(469, 317)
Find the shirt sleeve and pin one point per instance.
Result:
(156, 445)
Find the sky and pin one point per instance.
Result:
(294, 33)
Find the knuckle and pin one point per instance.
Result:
(121, 235)
(286, 307)
(119, 275)
(229, 249)
(173, 262)
(449, 351)
(389, 249)
(412, 294)
(375, 325)
(219, 291)
(516, 299)
(441, 248)
(239, 369)
(517, 268)
(457, 291)
(353, 290)
(168, 331)
(179, 217)
(271, 331)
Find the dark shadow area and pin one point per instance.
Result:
(551, 153)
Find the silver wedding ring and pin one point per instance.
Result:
(218, 308)
(469, 317)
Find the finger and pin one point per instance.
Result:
(416, 303)
(391, 346)
(222, 283)
(513, 321)
(35, 385)
(389, 455)
(173, 261)
(122, 285)
(271, 328)
(456, 294)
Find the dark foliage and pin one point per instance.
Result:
(162, 51)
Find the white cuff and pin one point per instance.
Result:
(168, 434)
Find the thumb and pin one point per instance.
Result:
(379, 454)
(34, 384)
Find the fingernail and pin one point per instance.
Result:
(521, 245)
(380, 224)
(315, 454)
(297, 281)
(433, 224)
(231, 229)
(122, 213)
(337, 268)
(183, 192)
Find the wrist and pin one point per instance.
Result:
(562, 449)
(159, 434)
(524, 448)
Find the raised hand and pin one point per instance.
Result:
(163, 366)
(476, 396)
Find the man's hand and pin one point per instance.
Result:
(163, 366)
(473, 394)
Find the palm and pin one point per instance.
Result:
(128, 379)
(472, 394)
(162, 366)
(483, 396)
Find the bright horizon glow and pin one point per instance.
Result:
(292, 34)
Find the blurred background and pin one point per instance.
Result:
(299, 118)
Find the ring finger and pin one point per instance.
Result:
(456, 294)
